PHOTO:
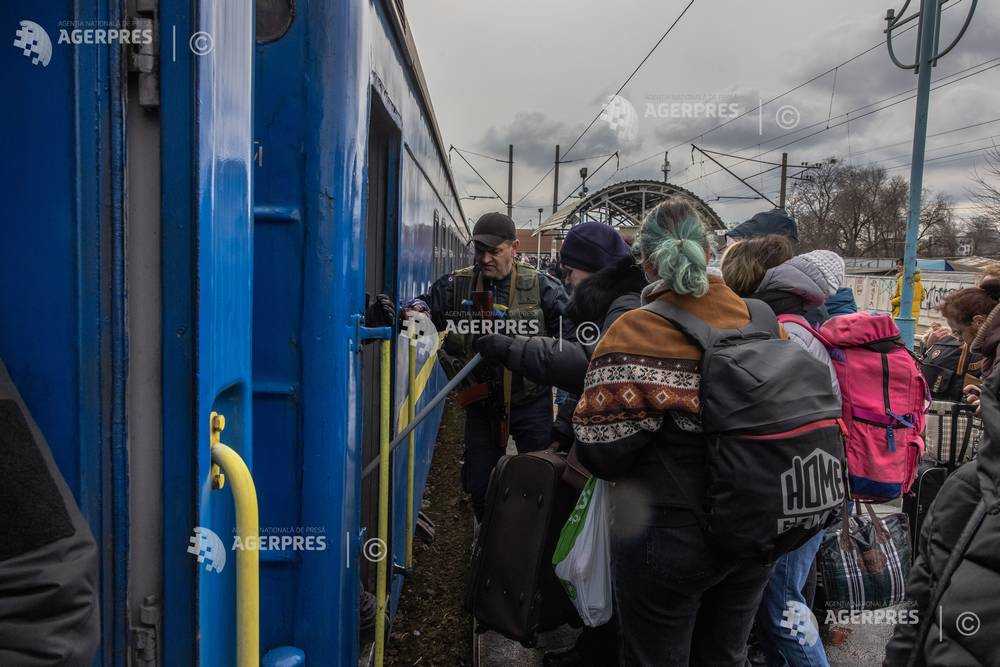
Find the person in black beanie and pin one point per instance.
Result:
(588, 248)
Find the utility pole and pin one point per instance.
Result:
(555, 186)
(928, 40)
(539, 254)
(784, 180)
(510, 180)
(666, 167)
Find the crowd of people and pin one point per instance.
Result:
(631, 409)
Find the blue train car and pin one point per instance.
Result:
(192, 224)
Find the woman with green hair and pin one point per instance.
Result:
(641, 393)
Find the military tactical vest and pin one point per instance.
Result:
(523, 307)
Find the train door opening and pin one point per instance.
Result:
(144, 396)
(381, 226)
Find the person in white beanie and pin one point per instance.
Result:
(797, 287)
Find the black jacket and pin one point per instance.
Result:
(49, 613)
(562, 362)
(970, 605)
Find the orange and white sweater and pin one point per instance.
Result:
(643, 377)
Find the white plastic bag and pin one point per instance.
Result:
(583, 558)
(426, 355)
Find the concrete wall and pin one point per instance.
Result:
(875, 292)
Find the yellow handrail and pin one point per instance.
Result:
(381, 573)
(247, 558)
(411, 404)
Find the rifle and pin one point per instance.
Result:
(497, 384)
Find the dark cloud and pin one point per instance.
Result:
(759, 62)
(535, 135)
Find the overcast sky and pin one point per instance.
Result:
(535, 72)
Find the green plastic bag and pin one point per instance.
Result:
(582, 557)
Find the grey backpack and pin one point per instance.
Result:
(772, 423)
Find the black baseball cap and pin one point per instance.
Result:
(492, 229)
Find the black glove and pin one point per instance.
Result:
(381, 312)
(493, 346)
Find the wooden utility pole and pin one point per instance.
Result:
(510, 180)
(555, 187)
(784, 180)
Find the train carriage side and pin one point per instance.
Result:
(209, 249)
(352, 197)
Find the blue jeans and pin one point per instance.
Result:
(797, 642)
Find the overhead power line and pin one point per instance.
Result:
(618, 92)
(929, 136)
(795, 88)
(939, 148)
(488, 157)
(630, 76)
(945, 157)
(850, 118)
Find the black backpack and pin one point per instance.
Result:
(775, 446)
(944, 368)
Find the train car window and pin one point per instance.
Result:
(273, 19)
(435, 251)
(450, 258)
(451, 250)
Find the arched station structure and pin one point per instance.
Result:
(623, 206)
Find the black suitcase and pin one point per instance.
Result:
(931, 476)
(512, 587)
(954, 430)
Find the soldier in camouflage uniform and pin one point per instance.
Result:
(495, 295)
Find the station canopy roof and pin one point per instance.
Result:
(622, 205)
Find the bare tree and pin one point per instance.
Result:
(939, 230)
(986, 186)
(983, 233)
(861, 212)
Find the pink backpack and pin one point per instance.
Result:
(885, 398)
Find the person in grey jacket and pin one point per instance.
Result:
(795, 288)
(791, 288)
(49, 611)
